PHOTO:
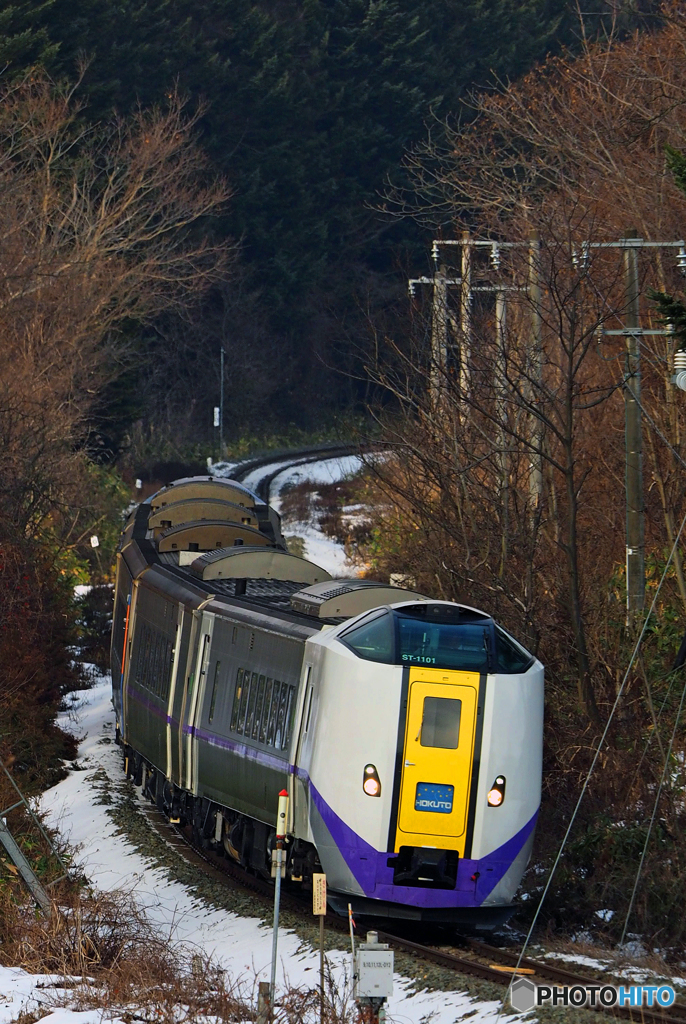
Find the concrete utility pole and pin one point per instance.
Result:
(535, 368)
(635, 512)
(221, 404)
(439, 336)
(465, 312)
(501, 340)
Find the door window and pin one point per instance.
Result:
(441, 722)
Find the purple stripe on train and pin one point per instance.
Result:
(371, 871)
(369, 866)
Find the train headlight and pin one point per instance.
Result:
(496, 793)
(371, 783)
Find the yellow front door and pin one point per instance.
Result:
(437, 759)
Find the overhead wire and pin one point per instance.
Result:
(677, 719)
(596, 755)
(652, 817)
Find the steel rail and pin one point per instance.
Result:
(290, 459)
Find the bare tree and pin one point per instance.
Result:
(98, 226)
(574, 155)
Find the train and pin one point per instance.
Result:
(406, 731)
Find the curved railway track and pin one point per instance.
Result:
(479, 960)
(285, 460)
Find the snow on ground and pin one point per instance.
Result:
(579, 958)
(21, 993)
(241, 945)
(320, 549)
(328, 471)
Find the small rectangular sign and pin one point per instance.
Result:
(432, 797)
(318, 894)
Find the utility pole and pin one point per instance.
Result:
(632, 332)
(439, 337)
(535, 368)
(221, 404)
(465, 313)
(501, 338)
(635, 530)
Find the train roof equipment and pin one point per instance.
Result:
(343, 599)
(206, 534)
(205, 487)
(195, 509)
(257, 563)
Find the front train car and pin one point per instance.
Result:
(419, 762)
(407, 731)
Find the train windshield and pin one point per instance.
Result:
(444, 645)
(438, 636)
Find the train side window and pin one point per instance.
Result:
(290, 716)
(215, 685)
(138, 652)
(441, 722)
(170, 668)
(258, 708)
(157, 675)
(512, 657)
(244, 701)
(162, 676)
(250, 717)
(264, 724)
(155, 679)
(236, 699)
(145, 681)
(309, 709)
(160, 665)
(373, 639)
(274, 712)
(280, 736)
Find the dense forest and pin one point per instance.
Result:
(308, 109)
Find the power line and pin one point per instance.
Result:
(596, 755)
(652, 817)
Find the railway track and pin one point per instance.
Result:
(281, 461)
(482, 961)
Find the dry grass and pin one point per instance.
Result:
(104, 954)
(103, 948)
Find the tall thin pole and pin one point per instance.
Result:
(465, 313)
(500, 329)
(321, 968)
(535, 368)
(221, 404)
(439, 336)
(281, 820)
(635, 543)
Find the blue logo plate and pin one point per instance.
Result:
(431, 797)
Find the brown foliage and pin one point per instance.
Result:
(96, 228)
(573, 155)
(37, 670)
(103, 949)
